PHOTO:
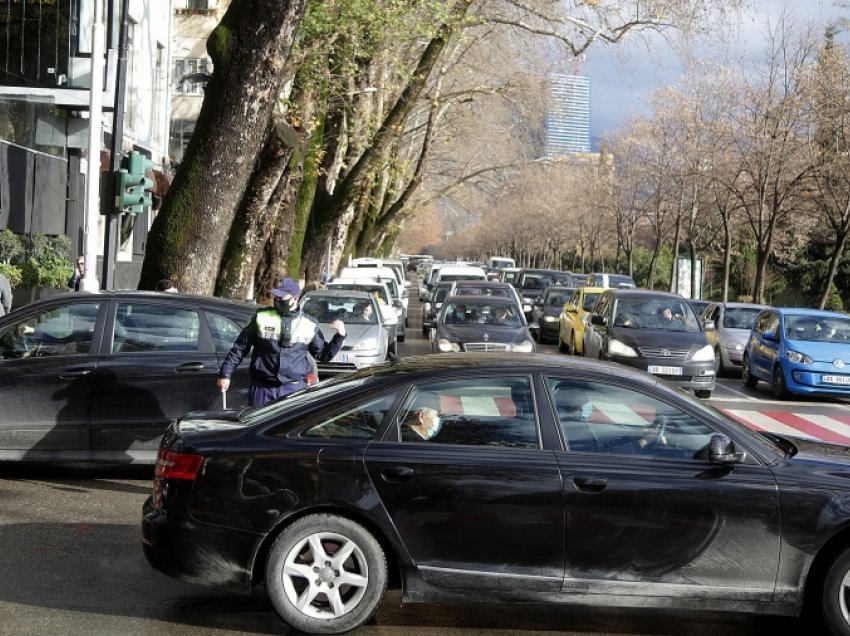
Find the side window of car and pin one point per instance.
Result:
(147, 327)
(472, 412)
(360, 421)
(603, 418)
(62, 331)
(224, 330)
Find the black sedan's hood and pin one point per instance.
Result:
(813, 450)
(659, 339)
(483, 333)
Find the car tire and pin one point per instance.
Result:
(750, 381)
(702, 393)
(780, 389)
(835, 595)
(345, 595)
(400, 337)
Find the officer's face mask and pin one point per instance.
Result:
(285, 306)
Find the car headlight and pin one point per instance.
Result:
(427, 307)
(733, 346)
(549, 318)
(526, 308)
(366, 344)
(526, 346)
(617, 348)
(799, 358)
(704, 354)
(446, 346)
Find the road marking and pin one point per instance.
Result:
(834, 428)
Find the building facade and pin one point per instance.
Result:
(45, 79)
(568, 116)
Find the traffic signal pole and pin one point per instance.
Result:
(108, 206)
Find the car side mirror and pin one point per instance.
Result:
(708, 325)
(533, 326)
(721, 450)
(598, 319)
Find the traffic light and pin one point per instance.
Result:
(132, 187)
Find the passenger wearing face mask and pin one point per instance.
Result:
(280, 339)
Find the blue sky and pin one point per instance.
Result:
(624, 76)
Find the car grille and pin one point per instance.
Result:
(485, 346)
(671, 354)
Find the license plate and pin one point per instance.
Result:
(836, 379)
(341, 357)
(665, 370)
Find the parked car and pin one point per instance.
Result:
(546, 310)
(799, 351)
(509, 275)
(572, 320)
(732, 325)
(97, 377)
(610, 281)
(366, 337)
(431, 307)
(498, 478)
(531, 283)
(389, 309)
(654, 331)
(480, 323)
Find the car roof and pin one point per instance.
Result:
(494, 284)
(643, 293)
(590, 289)
(480, 300)
(338, 293)
(805, 311)
(135, 294)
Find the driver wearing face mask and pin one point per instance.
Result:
(280, 340)
(425, 422)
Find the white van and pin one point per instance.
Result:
(448, 273)
(500, 262)
(387, 275)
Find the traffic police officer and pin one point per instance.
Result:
(280, 338)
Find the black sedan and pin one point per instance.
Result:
(97, 377)
(491, 477)
(546, 311)
(480, 323)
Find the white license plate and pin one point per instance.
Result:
(665, 370)
(835, 379)
(341, 357)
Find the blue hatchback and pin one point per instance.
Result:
(799, 350)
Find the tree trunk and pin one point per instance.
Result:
(249, 49)
(255, 221)
(837, 254)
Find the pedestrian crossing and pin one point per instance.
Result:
(833, 428)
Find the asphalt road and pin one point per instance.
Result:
(72, 563)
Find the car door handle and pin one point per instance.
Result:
(397, 473)
(190, 366)
(74, 373)
(590, 484)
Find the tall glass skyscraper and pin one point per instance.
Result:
(568, 117)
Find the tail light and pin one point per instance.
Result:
(174, 465)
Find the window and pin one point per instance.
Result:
(190, 75)
(602, 418)
(148, 327)
(358, 422)
(224, 331)
(471, 411)
(58, 332)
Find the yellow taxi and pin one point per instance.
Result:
(572, 319)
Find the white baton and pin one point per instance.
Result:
(224, 400)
